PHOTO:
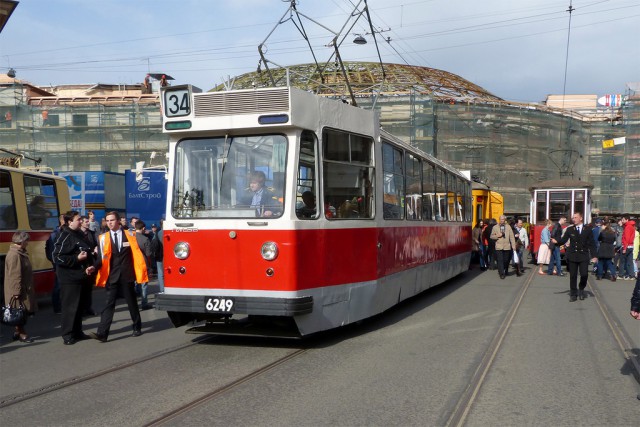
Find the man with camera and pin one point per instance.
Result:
(74, 267)
(505, 240)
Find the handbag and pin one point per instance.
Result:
(14, 313)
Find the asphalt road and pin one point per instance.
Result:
(557, 363)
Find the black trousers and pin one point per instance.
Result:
(72, 295)
(127, 291)
(574, 268)
(503, 257)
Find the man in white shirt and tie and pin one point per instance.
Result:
(120, 264)
(581, 249)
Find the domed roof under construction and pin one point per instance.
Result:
(366, 78)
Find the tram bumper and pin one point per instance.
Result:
(183, 309)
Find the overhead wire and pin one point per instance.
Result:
(234, 49)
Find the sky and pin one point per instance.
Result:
(518, 50)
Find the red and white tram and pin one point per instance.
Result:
(389, 222)
(556, 198)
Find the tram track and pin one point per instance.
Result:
(69, 382)
(222, 390)
(464, 405)
(619, 334)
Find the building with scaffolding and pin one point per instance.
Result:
(509, 146)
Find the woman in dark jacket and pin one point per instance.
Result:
(606, 252)
(18, 280)
(74, 266)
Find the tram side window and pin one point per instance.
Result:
(541, 206)
(393, 186)
(414, 187)
(429, 191)
(441, 195)
(348, 175)
(452, 184)
(469, 196)
(42, 203)
(8, 219)
(307, 188)
(578, 203)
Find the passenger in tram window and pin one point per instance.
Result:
(556, 233)
(260, 198)
(308, 208)
(606, 252)
(329, 210)
(581, 249)
(502, 235)
(38, 213)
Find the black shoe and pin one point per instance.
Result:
(502, 276)
(70, 341)
(581, 295)
(82, 336)
(16, 336)
(146, 307)
(573, 298)
(98, 337)
(26, 339)
(136, 333)
(561, 274)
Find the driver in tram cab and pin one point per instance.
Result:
(260, 198)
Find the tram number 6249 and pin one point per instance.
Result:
(219, 305)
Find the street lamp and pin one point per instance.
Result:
(12, 73)
(360, 40)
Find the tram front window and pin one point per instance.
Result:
(218, 177)
(559, 204)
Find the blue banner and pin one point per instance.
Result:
(146, 198)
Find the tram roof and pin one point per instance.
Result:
(561, 183)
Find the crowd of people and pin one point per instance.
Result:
(610, 245)
(85, 254)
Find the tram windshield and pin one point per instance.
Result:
(229, 177)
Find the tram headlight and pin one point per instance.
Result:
(181, 250)
(269, 251)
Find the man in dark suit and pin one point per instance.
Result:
(581, 249)
(120, 264)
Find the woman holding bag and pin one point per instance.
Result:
(18, 280)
